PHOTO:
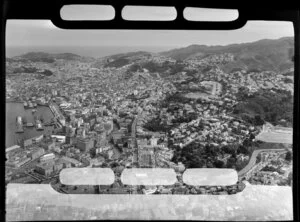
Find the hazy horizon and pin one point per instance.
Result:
(102, 51)
(86, 51)
(32, 35)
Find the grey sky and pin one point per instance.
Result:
(44, 33)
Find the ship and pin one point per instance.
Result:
(29, 125)
(38, 125)
(19, 120)
(25, 104)
(19, 125)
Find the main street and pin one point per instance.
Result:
(133, 141)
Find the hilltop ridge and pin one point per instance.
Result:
(265, 54)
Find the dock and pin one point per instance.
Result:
(56, 112)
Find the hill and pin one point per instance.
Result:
(266, 54)
(119, 60)
(50, 58)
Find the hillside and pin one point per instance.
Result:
(266, 54)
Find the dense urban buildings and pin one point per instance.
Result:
(147, 110)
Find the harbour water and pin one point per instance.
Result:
(17, 109)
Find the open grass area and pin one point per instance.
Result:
(276, 137)
(197, 95)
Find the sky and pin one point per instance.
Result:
(42, 33)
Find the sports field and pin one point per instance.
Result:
(276, 137)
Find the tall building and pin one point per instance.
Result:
(102, 140)
(36, 153)
(146, 157)
(44, 168)
(70, 131)
(70, 140)
(27, 143)
(70, 134)
(85, 144)
(153, 141)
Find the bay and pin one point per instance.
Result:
(14, 109)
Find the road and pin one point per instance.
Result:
(134, 142)
(252, 161)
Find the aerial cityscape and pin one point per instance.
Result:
(192, 107)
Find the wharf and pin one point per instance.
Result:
(56, 112)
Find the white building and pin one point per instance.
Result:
(60, 138)
(47, 157)
(12, 148)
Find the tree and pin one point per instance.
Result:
(243, 148)
(196, 163)
(258, 121)
(92, 153)
(251, 137)
(288, 156)
(114, 164)
(258, 158)
(230, 149)
(209, 164)
(104, 165)
(219, 164)
(231, 162)
(68, 119)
